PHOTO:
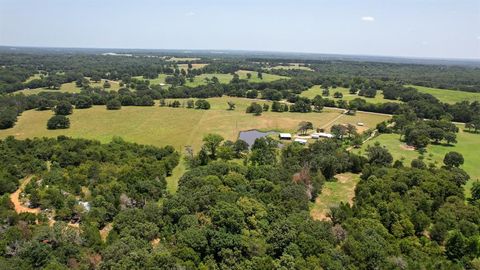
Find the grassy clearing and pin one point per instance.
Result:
(34, 77)
(65, 88)
(343, 190)
(194, 66)
(317, 90)
(160, 79)
(448, 96)
(467, 145)
(265, 76)
(178, 127)
(201, 79)
(71, 87)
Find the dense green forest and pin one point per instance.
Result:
(230, 216)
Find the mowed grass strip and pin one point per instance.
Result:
(317, 90)
(342, 190)
(468, 146)
(448, 96)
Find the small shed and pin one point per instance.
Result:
(321, 135)
(302, 141)
(285, 136)
(360, 124)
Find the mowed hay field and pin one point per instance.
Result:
(448, 96)
(317, 90)
(175, 126)
(467, 145)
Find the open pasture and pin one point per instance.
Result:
(317, 90)
(448, 96)
(467, 145)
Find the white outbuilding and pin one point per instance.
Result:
(321, 135)
(285, 136)
(302, 141)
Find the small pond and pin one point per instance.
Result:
(250, 136)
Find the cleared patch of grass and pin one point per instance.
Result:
(467, 145)
(160, 79)
(65, 88)
(194, 66)
(342, 190)
(448, 96)
(71, 87)
(201, 79)
(33, 77)
(265, 76)
(317, 90)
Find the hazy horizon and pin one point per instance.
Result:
(439, 29)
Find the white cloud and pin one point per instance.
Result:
(190, 14)
(368, 19)
(478, 37)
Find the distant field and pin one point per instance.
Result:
(65, 88)
(182, 59)
(293, 66)
(448, 96)
(200, 79)
(194, 66)
(467, 145)
(317, 90)
(343, 190)
(70, 88)
(159, 80)
(266, 77)
(33, 77)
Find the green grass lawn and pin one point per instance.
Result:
(342, 190)
(317, 90)
(467, 145)
(448, 96)
(178, 127)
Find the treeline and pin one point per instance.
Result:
(438, 76)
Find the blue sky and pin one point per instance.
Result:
(421, 28)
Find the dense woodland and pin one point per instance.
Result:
(231, 216)
(105, 206)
